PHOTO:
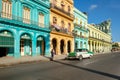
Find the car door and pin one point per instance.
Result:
(85, 54)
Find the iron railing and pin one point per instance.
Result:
(21, 19)
(61, 30)
(80, 26)
(103, 40)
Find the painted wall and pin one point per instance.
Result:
(80, 25)
(17, 27)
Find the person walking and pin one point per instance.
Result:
(52, 54)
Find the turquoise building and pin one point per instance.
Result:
(24, 28)
(80, 29)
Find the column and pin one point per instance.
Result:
(91, 47)
(34, 42)
(65, 47)
(94, 46)
(47, 44)
(72, 45)
(58, 47)
(17, 45)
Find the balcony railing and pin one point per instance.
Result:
(79, 36)
(80, 27)
(99, 39)
(57, 28)
(62, 10)
(21, 19)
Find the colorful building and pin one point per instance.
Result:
(100, 39)
(61, 22)
(80, 29)
(24, 28)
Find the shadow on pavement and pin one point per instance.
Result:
(90, 70)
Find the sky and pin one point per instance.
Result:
(101, 10)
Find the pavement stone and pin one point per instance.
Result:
(8, 61)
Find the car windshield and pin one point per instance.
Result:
(81, 50)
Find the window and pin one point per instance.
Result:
(85, 35)
(85, 44)
(6, 9)
(62, 24)
(81, 34)
(62, 5)
(54, 20)
(76, 20)
(54, 3)
(69, 9)
(92, 34)
(41, 20)
(69, 27)
(81, 22)
(26, 15)
(81, 44)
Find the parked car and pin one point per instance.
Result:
(80, 54)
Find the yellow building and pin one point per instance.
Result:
(61, 21)
(99, 41)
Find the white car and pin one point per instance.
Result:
(80, 54)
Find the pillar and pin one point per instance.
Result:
(65, 47)
(47, 44)
(16, 45)
(58, 47)
(34, 42)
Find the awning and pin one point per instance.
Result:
(56, 26)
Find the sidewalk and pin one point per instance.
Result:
(7, 61)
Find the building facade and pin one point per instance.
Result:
(80, 29)
(24, 28)
(61, 22)
(100, 40)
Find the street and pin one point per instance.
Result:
(99, 67)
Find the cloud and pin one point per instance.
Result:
(92, 7)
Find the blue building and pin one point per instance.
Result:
(80, 29)
(24, 28)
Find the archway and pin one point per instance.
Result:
(25, 45)
(6, 43)
(54, 44)
(69, 47)
(62, 46)
(40, 46)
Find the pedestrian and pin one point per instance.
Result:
(52, 54)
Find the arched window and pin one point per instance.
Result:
(41, 20)
(6, 9)
(26, 15)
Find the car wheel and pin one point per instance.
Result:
(90, 57)
(80, 57)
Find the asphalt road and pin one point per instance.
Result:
(100, 67)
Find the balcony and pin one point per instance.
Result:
(61, 10)
(80, 27)
(16, 20)
(57, 28)
(79, 36)
(102, 40)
